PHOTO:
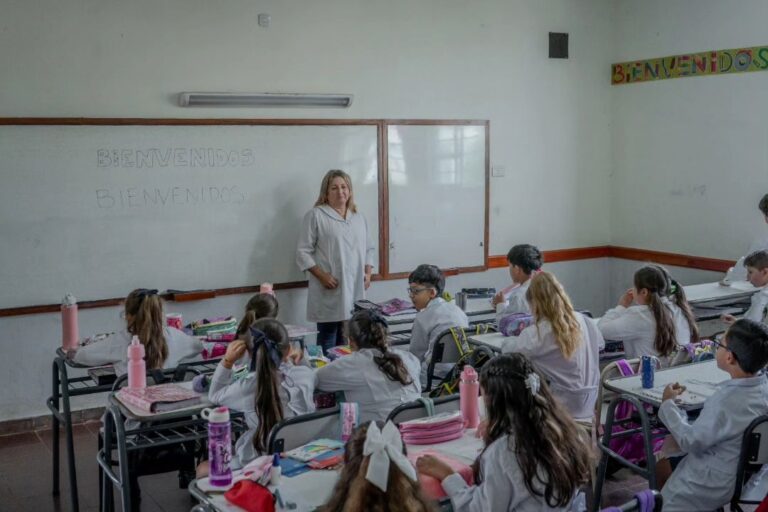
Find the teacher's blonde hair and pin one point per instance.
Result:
(325, 186)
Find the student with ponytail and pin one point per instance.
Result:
(261, 305)
(563, 344)
(375, 376)
(277, 386)
(535, 456)
(658, 323)
(164, 346)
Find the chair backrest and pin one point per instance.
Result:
(611, 371)
(449, 346)
(299, 430)
(179, 374)
(418, 409)
(754, 453)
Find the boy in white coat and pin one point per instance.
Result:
(738, 272)
(435, 315)
(705, 478)
(524, 261)
(757, 275)
(374, 376)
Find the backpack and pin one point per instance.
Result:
(475, 357)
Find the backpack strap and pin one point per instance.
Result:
(624, 368)
(460, 338)
(428, 404)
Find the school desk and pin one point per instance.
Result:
(495, 341)
(312, 489)
(710, 301)
(701, 379)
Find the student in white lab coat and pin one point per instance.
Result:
(660, 322)
(524, 261)
(164, 346)
(738, 272)
(705, 479)
(261, 305)
(335, 247)
(376, 377)
(563, 344)
(535, 456)
(435, 315)
(276, 387)
(757, 275)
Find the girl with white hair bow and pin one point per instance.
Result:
(377, 476)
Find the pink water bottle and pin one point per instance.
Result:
(219, 446)
(469, 392)
(69, 329)
(137, 367)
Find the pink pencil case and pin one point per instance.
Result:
(431, 486)
(434, 437)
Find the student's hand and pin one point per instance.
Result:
(367, 280)
(728, 319)
(434, 467)
(328, 281)
(628, 298)
(497, 299)
(235, 350)
(672, 391)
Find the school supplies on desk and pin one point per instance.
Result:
(102, 376)
(216, 329)
(337, 352)
(90, 340)
(314, 449)
(513, 325)
(298, 331)
(435, 429)
(431, 486)
(160, 398)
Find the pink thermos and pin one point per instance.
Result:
(469, 397)
(137, 367)
(69, 331)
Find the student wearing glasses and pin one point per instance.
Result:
(435, 315)
(705, 478)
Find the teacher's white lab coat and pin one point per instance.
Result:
(759, 304)
(503, 486)
(341, 247)
(182, 348)
(297, 387)
(573, 381)
(429, 324)
(705, 479)
(515, 303)
(361, 380)
(636, 327)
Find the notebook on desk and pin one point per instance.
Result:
(160, 398)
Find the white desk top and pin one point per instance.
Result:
(314, 488)
(492, 340)
(475, 307)
(701, 379)
(712, 291)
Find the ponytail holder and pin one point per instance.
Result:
(533, 382)
(375, 317)
(146, 292)
(673, 287)
(259, 339)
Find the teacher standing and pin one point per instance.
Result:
(335, 248)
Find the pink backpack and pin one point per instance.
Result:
(631, 447)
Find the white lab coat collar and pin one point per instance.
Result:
(329, 211)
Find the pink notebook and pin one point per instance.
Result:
(431, 486)
(160, 398)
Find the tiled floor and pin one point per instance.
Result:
(25, 477)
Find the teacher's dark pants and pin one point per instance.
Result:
(330, 334)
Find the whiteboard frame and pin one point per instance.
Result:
(383, 181)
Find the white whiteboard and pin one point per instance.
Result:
(437, 191)
(99, 210)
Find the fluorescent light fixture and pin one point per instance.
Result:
(242, 99)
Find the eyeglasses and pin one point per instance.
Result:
(416, 291)
(717, 342)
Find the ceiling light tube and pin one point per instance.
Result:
(238, 99)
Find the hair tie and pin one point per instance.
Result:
(673, 287)
(375, 317)
(259, 339)
(383, 447)
(145, 292)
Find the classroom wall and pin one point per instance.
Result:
(690, 155)
(434, 59)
